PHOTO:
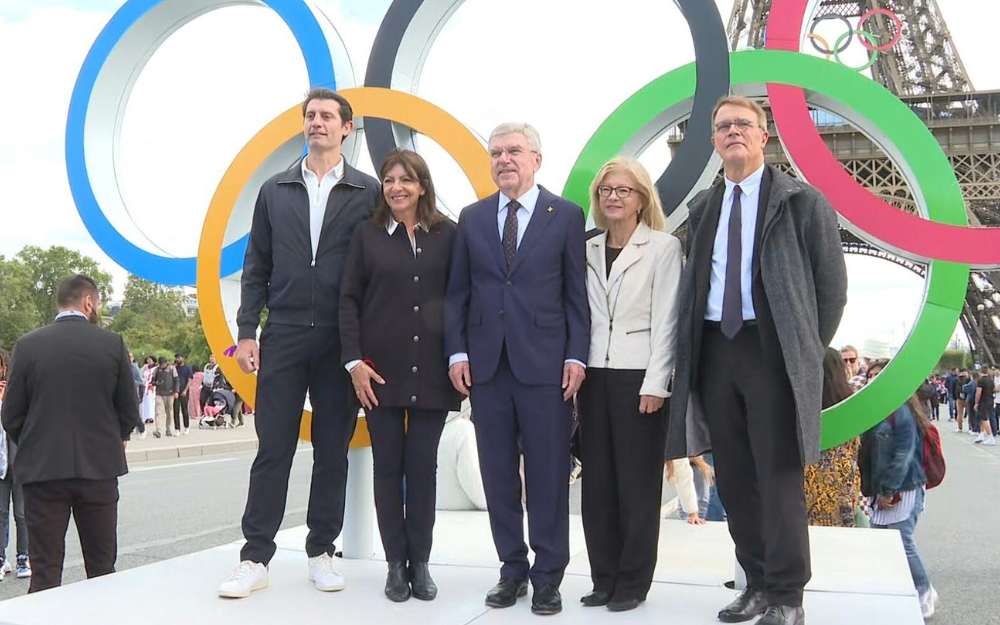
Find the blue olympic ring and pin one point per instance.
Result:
(164, 269)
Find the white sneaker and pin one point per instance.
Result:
(928, 602)
(979, 438)
(322, 574)
(187, 431)
(5, 567)
(991, 441)
(248, 577)
(142, 436)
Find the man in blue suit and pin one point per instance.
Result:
(517, 328)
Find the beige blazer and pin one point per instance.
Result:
(633, 312)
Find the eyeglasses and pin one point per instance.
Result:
(850, 361)
(741, 125)
(513, 152)
(621, 192)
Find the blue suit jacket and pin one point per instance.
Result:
(539, 310)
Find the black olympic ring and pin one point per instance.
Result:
(689, 162)
(813, 37)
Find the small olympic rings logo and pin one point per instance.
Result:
(939, 236)
(868, 39)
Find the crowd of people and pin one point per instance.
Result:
(184, 392)
(713, 369)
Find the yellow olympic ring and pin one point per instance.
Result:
(395, 106)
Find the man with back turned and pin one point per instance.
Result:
(69, 406)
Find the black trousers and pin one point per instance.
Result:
(204, 395)
(47, 507)
(294, 359)
(748, 401)
(510, 418)
(622, 455)
(181, 407)
(404, 448)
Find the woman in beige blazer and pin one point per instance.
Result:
(633, 273)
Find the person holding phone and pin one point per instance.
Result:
(392, 337)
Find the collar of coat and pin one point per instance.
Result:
(783, 187)
(631, 254)
(352, 177)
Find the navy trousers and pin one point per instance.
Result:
(510, 418)
(294, 359)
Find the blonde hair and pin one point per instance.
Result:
(650, 212)
(747, 103)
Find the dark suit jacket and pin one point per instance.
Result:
(70, 402)
(388, 296)
(279, 270)
(539, 310)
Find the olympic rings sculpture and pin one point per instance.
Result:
(939, 236)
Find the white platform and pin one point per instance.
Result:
(859, 576)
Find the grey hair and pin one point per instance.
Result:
(522, 128)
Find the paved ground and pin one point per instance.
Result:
(957, 534)
(174, 507)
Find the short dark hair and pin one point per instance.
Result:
(72, 290)
(416, 166)
(322, 93)
(163, 360)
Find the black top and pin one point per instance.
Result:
(279, 270)
(986, 398)
(392, 312)
(70, 402)
(184, 375)
(610, 254)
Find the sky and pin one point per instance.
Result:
(564, 65)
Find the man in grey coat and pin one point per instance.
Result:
(761, 296)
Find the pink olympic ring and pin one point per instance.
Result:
(895, 20)
(978, 246)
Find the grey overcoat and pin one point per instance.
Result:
(805, 280)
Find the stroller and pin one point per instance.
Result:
(219, 409)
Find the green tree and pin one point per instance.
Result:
(45, 268)
(151, 317)
(17, 309)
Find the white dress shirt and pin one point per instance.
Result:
(319, 194)
(749, 198)
(527, 201)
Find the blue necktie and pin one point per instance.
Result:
(732, 298)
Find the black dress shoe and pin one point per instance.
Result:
(783, 615)
(623, 604)
(506, 592)
(421, 583)
(749, 604)
(397, 582)
(546, 600)
(595, 598)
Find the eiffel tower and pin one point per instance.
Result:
(925, 71)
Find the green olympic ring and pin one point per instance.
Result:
(885, 115)
(872, 53)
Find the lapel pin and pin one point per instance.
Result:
(550, 209)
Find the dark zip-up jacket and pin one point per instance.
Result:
(279, 270)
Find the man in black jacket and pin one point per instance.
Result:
(301, 228)
(70, 406)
